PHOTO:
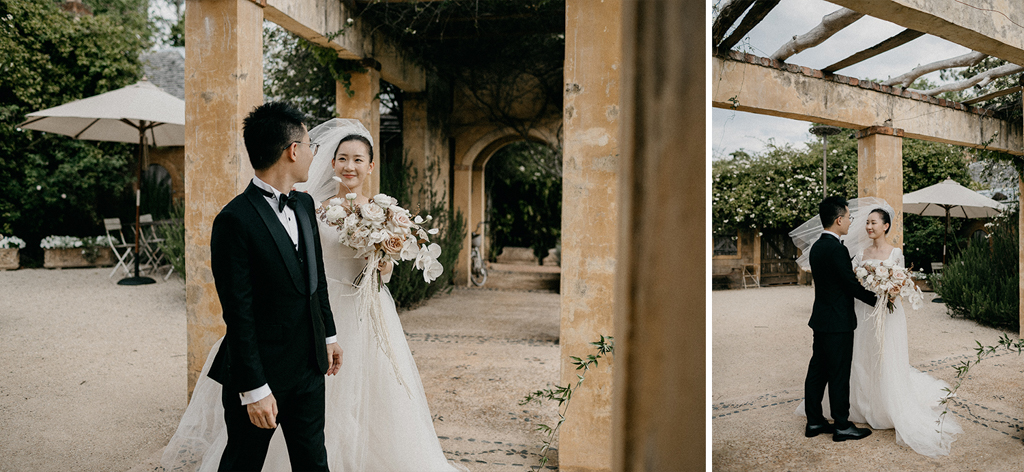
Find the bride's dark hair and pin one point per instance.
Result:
(356, 137)
(885, 218)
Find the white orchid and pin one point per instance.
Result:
(433, 270)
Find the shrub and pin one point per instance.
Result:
(173, 245)
(407, 285)
(981, 283)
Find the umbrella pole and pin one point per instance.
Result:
(945, 236)
(138, 280)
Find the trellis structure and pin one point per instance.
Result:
(883, 113)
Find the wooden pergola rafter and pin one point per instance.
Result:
(753, 11)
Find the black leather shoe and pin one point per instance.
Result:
(813, 430)
(851, 433)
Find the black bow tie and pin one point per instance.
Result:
(284, 199)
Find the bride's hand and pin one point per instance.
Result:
(385, 267)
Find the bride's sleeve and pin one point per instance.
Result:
(900, 259)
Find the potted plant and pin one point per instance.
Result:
(71, 251)
(9, 255)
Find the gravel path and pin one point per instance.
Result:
(761, 345)
(92, 374)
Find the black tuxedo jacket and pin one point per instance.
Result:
(835, 287)
(274, 298)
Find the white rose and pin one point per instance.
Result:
(373, 213)
(335, 214)
(351, 221)
(336, 202)
(881, 273)
(861, 272)
(887, 263)
(383, 201)
(899, 275)
(433, 271)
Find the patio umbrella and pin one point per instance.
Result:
(950, 199)
(139, 113)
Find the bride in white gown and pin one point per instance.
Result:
(377, 417)
(886, 392)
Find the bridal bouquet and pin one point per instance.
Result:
(381, 231)
(890, 280)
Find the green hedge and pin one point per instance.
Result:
(981, 283)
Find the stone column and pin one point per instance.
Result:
(880, 172)
(364, 105)
(223, 83)
(416, 144)
(593, 57)
(479, 207)
(463, 199)
(662, 264)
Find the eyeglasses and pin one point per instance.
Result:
(312, 146)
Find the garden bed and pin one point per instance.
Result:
(74, 257)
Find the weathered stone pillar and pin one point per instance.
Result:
(1020, 257)
(462, 195)
(415, 143)
(880, 172)
(593, 57)
(364, 105)
(479, 207)
(223, 83)
(662, 264)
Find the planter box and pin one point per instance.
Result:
(58, 258)
(9, 258)
(923, 285)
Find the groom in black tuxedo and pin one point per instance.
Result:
(268, 267)
(833, 321)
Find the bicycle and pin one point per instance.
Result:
(479, 271)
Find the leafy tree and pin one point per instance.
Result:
(780, 187)
(52, 184)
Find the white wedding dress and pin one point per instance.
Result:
(886, 392)
(373, 422)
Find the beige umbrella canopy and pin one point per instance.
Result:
(950, 199)
(139, 113)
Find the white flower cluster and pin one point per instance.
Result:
(381, 226)
(60, 242)
(890, 280)
(10, 242)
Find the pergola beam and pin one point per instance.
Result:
(904, 37)
(996, 94)
(994, 32)
(763, 86)
(325, 22)
(754, 16)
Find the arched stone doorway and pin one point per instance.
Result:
(469, 195)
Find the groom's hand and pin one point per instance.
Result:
(333, 358)
(263, 413)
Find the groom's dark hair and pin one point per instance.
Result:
(831, 208)
(269, 130)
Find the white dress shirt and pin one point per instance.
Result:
(287, 217)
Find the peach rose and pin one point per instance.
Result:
(393, 245)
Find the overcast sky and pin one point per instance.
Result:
(732, 130)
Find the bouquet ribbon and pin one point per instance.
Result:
(368, 293)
